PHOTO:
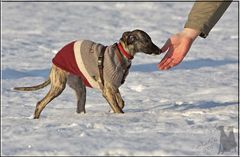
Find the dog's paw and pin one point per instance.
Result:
(31, 117)
(110, 111)
(81, 112)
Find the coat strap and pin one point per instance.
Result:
(100, 64)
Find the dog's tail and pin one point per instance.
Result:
(37, 87)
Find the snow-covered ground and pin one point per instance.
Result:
(174, 112)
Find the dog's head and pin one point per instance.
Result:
(138, 41)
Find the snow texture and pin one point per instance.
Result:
(174, 112)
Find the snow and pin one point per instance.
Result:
(174, 112)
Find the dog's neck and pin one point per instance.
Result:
(123, 51)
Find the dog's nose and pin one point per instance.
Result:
(160, 51)
(157, 50)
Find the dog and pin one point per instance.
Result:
(84, 63)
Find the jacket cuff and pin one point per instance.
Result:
(203, 29)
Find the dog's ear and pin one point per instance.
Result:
(130, 39)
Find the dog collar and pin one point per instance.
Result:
(121, 49)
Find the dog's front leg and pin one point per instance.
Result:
(110, 93)
(119, 99)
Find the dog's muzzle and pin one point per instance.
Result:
(156, 50)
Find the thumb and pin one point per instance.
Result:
(166, 46)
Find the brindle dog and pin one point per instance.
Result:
(132, 42)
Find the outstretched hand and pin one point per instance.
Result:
(177, 47)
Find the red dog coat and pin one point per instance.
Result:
(65, 59)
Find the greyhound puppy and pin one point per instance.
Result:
(85, 63)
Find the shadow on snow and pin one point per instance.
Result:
(185, 65)
(14, 74)
(152, 67)
(185, 106)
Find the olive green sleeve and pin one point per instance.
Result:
(205, 14)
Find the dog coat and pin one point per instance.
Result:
(81, 58)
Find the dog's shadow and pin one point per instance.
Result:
(152, 67)
(184, 106)
(198, 105)
(185, 65)
(15, 74)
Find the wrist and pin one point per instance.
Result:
(190, 33)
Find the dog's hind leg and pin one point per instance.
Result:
(58, 80)
(77, 85)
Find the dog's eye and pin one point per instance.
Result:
(131, 39)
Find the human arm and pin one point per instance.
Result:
(203, 16)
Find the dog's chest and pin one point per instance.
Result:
(86, 54)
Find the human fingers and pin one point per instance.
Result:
(166, 46)
(165, 58)
(166, 63)
(173, 63)
(169, 65)
(163, 61)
